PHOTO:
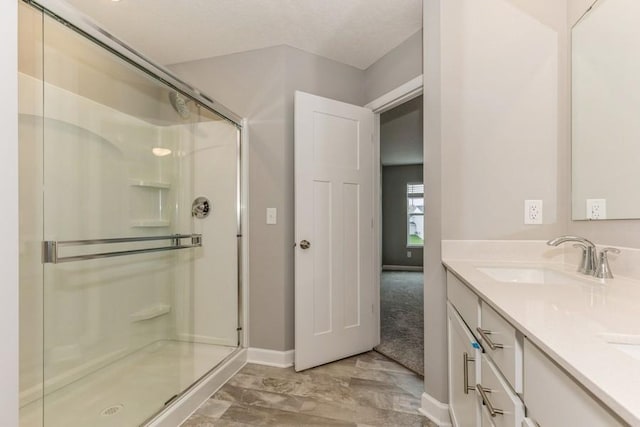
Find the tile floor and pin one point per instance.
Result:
(364, 390)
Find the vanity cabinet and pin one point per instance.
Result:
(515, 376)
(554, 399)
(470, 367)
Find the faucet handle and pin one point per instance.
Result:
(612, 250)
(604, 271)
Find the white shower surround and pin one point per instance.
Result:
(213, 317)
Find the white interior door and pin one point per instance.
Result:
(334, 284)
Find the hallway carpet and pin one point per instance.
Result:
(402, 318)
(364, 390)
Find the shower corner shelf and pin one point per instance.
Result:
(149, 184)
(150, 223)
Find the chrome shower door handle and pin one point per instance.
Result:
(305, 244)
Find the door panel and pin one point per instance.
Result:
(334, 211)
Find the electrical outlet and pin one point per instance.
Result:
(596, 208)
(533, 211)
(409, 254)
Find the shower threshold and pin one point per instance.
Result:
(128, 391)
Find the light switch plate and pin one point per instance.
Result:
(272, 216)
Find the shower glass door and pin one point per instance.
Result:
(118, 161)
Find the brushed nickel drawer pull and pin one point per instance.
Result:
(484, 333)
(465, 369)
(483, 394)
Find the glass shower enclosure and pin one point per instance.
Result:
(129, 224)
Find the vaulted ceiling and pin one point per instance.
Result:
(354, 32)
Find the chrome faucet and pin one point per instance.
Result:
(588, 264)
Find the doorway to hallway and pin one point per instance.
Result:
(402, 318)
(402, 235)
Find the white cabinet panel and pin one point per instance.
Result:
(462, 372)
(464, 300)
(554, 399)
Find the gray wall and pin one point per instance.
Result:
(394, 215)
(435, 291)
(401, 141)
(395, 68)
(259, 85)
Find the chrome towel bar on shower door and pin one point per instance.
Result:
(50, 247)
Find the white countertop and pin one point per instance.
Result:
(572, 323)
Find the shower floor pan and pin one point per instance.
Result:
(127, 392)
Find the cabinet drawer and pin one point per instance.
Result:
(464, 300)
(500, 341)
(508, 406)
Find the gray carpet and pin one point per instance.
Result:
(401, 318)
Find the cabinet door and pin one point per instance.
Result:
(463, 355)
(554, 399)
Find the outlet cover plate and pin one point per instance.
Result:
(533, 211)
(596, 209)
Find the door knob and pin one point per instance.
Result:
(305, 244)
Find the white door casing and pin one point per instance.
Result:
(334, 288)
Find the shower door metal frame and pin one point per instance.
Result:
(83, 25)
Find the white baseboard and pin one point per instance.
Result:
(402, 268)
(279, 359)
(435, 410)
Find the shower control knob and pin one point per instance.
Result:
(305, 244)
(201, 207)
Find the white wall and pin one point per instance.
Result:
(9, 223)
(496, 94)
(501, 112)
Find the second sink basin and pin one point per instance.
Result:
(533, 275)
(626, 343)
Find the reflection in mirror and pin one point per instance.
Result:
(606, 112)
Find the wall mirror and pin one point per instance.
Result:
(606, 112)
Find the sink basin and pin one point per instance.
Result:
(630, 349)
(629, 344)
(535, 275)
